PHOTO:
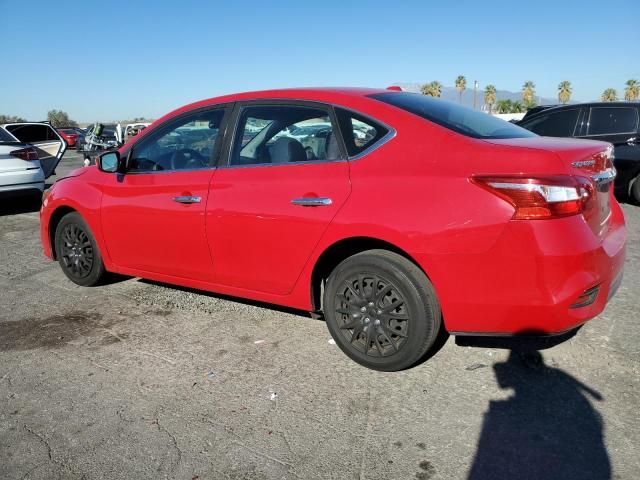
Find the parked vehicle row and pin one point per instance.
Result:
(614, 122)
(438, 217)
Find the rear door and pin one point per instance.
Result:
(615, 124)
(618, 124)
(284, 181)
(47, 142)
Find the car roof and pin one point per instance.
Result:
(319, 94)
(545, 109)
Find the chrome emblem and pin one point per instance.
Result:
(584, 163)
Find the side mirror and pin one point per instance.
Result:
(109, 162)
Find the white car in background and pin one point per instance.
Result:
(29, 154)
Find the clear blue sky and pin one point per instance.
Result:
(113, 60)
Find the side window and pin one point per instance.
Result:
(52, 135)
(611, 120)
(556, 124)
(358, 132)
(185, 144)
(280, 134)
(5, 136)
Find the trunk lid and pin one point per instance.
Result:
(582, 158)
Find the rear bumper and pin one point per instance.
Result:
(531, 281)
(31, 179)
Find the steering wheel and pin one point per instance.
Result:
(185, 158)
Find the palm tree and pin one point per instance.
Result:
(433, 89)
(564, 91)
(529, 92)
(504, 106)
(490, 96)
(461, 85)
(632, 90)
(609, 95)
(517, 107)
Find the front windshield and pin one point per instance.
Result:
(455, 117)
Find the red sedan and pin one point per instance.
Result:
(70, 136)
(393, 214)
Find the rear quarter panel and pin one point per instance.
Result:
(414, 192)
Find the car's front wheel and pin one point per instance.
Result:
(381, 310)
(77, 251)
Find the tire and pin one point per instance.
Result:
(635, 190)
(391, 330)
(77, 251)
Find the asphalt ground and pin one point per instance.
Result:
(141, 380)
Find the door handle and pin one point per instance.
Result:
(187, 199)
(312, 201)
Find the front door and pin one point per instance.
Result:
(269, 205)
(153, 215)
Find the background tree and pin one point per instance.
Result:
(490, 96)
(58, 119)
(518, 107)
(529, 93)
(632, 90)
(564, 91)
(11, 119)
(504, 106)
(609, 95)
(433, 89)
(461, 85)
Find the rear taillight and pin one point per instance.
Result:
(28, 153)
(541, 197)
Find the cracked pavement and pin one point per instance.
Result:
(141, 380)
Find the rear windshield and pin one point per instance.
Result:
(452, 116)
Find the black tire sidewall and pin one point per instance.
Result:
(418, 293)
(97, 269)
(635, 190)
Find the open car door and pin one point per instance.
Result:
(44, 138)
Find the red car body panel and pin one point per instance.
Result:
(492, 274)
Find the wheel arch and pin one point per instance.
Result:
(341, 250)
(58, 214)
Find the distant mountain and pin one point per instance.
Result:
(450, 93)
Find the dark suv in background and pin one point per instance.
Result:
(614, 122)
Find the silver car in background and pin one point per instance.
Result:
(29, 154)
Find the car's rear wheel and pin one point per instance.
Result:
(635, 190)
(381, 310)
(77, 251)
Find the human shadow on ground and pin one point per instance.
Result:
(548, 429)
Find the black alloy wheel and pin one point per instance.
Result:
(381, 310)
(77, 251)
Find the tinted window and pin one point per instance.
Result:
(5, 136)
(359, 133)
(452, 116)
(33, 133)
(607, 120)
(283, 134)
(556, 124)
(185, 144)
